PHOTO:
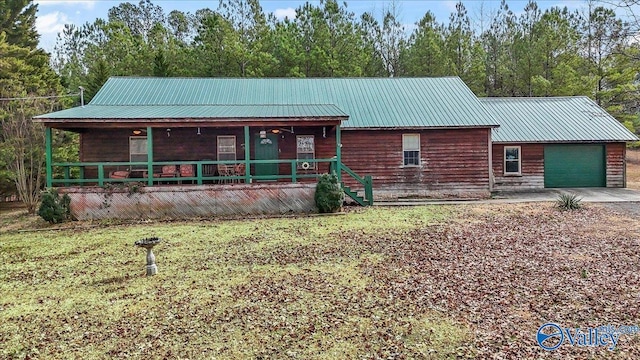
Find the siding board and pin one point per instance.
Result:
(616, 164)
(451, 161)
(532, 168)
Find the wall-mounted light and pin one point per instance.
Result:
(198, 133)
(168, 132)
(279, 130)
(263, 134)
(324, 131)
(137, 132)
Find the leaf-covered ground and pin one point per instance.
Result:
(423, 282)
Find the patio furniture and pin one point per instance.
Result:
(168, 171)
(186, 171)
(239, 170)
(225, 171)
(120, 174)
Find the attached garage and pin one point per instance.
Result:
(570, 165)
(556, 143)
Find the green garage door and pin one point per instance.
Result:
(574, 166)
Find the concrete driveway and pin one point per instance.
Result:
(601, 195)
(587, 195)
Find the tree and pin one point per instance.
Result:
(389, 40)
(18, 22)
(465, 54)
(97, 76)
(425, 53)
(25, 76)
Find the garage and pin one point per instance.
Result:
(575, 165)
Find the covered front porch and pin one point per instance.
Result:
(189, 167)
(156, 156)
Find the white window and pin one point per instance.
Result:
(138, 151)
(411, 149)
(226, 148)
(512, 163)
(305, 150)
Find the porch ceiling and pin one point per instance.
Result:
(195, 115)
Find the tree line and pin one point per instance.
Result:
(536, 52)
(550, 52)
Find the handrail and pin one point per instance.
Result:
(357, 177)
(367, 182)
(199, 177)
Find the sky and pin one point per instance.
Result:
(54, 14)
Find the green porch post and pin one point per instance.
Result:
(149, 156)
(338, 153)
(247, 154)
(48, 156)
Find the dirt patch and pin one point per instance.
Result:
(633, 169)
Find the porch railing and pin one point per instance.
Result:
(73, 173)
(366, 181)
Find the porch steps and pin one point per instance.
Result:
(354, 195)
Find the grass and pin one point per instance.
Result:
(267, 288)
(420, 282)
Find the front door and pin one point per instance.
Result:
(266, 149)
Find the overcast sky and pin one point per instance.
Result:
(53, 14)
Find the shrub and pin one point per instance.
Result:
(55, 209)
(569, 202)
(329, 195)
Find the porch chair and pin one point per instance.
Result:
(168, 171)
(187, 171)
(225, 171)
(120, 174)
(239, 170)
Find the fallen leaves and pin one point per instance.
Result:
(473, 281)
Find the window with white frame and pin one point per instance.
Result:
(138, 151)
(411, 149)
(512, 160)
(226, 148)
(305, 150)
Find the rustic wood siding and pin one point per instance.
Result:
(531, 167)
(616, 164)
(183, 144)
(451, 160)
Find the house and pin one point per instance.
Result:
(247, 146)
(556, 142)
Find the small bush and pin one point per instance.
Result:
(569, 202)
(55, 209)
(329, 195)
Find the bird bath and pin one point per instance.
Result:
(149, 243)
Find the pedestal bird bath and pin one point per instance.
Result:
(149, 243)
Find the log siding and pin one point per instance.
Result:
(532, 165)
(452, 161)
(531, 168)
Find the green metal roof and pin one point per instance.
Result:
(92, 111)
(369, 102)
(554, 119)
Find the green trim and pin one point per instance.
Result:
(338, 153)
(149, 156)
(100, 174)
(48, 156)
(247, 155)
(104, 167)
(367, 182)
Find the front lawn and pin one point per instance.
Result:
(423, 282)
